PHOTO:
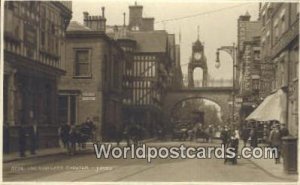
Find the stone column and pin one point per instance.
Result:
(11, 102)
(205, 74)
(190, 75)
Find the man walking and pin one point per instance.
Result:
(245, 135)
(33, 138)
(253, 135)
(275, 139)
(22, 141)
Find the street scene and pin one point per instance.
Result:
(97, 91)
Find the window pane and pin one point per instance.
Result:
(82, 63)
(82, 56)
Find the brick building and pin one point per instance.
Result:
(280, 47)
(92, 86)
(248, 53)
(34, 39)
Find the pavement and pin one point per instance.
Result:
(266, 165)
(15, 156)
(275, 170)
(88, 168)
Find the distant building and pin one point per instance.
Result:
(280, 48)
(92, 86)
(34, 41)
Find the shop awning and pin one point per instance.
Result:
(272, 108)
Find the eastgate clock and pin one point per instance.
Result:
(197, 55)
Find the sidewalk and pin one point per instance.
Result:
(39, 153)
(275, 170)
(50, 152)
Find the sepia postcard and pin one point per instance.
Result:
(143, 92)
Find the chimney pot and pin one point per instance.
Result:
(103, 11)
(85, 15)
(124, 14)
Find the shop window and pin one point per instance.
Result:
(82, 63)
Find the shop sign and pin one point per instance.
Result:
(88, 96)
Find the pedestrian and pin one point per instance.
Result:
(253, 136)
(22, 141)
(275, 139)
(210, 133)
(233, 143)
(72, 140)
(225, 135)
(33, 138)
(283, 130)
(266, 134)
(92, 127)
(6, 137)
(118, 135)
(126, 134)
(245, 135)
(64, 135)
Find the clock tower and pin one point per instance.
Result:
(198, 59)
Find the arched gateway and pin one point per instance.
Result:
(220, 95)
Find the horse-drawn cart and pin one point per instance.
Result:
(76, 134)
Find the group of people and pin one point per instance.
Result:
(272, 135)
(198, 131)
(28, 139)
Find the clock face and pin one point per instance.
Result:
(197, 55)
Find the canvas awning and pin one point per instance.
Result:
(272, 108)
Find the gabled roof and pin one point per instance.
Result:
(76, 26)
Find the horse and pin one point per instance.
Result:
(79, 134)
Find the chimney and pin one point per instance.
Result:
(103, 11)
(124, 16)
(148, 24)
(245, 17)
(85, 18)
(96, 23)
(135, 16)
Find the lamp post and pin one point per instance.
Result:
(231, 50)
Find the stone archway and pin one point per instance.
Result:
(219, 95)
(186, 110)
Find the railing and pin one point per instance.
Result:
(213, 83)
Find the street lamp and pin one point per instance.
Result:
(231, 50)
(218, 64)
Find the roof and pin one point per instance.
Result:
(150, 41)
(147, 41)
(76, 26)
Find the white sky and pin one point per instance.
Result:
(216, 29)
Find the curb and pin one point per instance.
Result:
(271, 174)
(31, 157)
(54, 153)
